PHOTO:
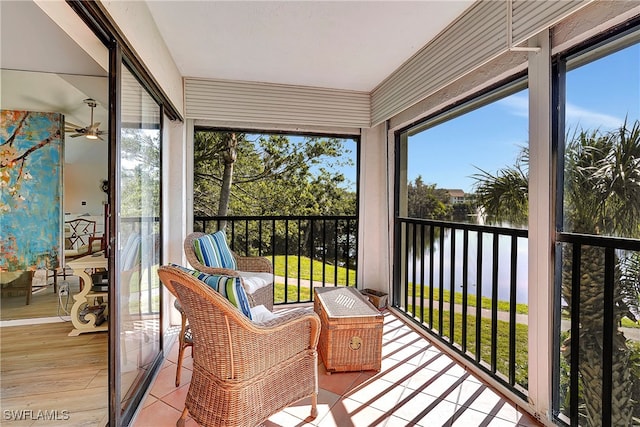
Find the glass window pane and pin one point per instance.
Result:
(601, 199)
(458, 174)
(138, 237)
(602, 150)
(451, 164)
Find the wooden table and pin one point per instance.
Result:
(351, 332)
(82, 319)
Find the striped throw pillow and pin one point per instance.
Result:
(228, 286)
(212, 250)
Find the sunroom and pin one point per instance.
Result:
(527, 279)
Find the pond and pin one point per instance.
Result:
(503, 261)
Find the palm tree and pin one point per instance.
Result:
(504, 196)
(601, 197)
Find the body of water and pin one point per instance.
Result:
(422, 262)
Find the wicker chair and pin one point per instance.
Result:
(263, 295)
(243, 372)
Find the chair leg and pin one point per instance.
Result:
(183, 417)
(314, 406)
(55, 281)
(182, 343)
(29, 287)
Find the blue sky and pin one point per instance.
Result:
(599, 95)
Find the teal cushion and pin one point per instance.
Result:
(212, 250)
(228, 286)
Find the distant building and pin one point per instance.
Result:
(457, 196)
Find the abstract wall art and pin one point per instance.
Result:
(31, 159)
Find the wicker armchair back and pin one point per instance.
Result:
(243, 372)
(261, 296)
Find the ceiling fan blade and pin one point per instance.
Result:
(76, 135)
(77, 130)
(71, 125)
(99, 137)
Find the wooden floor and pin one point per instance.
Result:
(44, 301)
(47, 377)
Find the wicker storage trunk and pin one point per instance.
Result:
(351, 332)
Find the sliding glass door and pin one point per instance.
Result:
(138, 236)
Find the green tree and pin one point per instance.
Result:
(601, 197)
(140, 173)
(271, 175)
(427, 201)
(504, 196)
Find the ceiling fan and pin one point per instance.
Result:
(91, 131)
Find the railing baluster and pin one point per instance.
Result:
(494, 302)
(273, 249)
(441, 283)
(512, 310)
(298, 251)
(422, 245)
(246, 237)
(414, 268)
(286, 260)
(452, 289)
(479, 297)
(260, 237)
(608, 332)
(575, 334)
(335, 253)
(405, 285)
(355, 248)
(348, 250)
(465, 284)
(312, 240)
(324, 250)
(431, 284)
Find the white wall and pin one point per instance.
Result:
(82, 183)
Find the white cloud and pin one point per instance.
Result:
(518, 105)
(576, 116)
(590, 120)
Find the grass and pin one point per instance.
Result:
(305, 270)
(305, 274)
(292, 294)
(471, 299)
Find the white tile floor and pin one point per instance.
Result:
(417, 386)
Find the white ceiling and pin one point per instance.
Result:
(351, 45)
(44, 70)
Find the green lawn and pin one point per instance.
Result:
(305, 274)
(305, 270)
(471, 299)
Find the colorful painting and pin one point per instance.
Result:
(31, 157)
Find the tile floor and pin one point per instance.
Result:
(417, 386)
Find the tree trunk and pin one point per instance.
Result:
(591, 342)
(229, 156)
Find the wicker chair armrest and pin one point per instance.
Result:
(275, 344)
(253, 263)
(291, 326)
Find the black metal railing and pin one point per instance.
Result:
(306, 251)
(598, 282)
(466, 285)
